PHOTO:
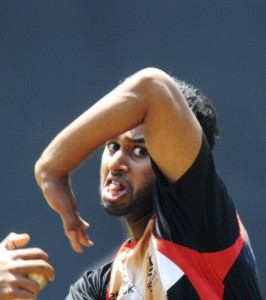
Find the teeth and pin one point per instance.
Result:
(115, 187)
(115, 193)
(115, 182)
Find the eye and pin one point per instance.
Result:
(113, 147)
(140, 151)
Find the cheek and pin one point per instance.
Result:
(146, 176)
(147, 170)
(103, 171)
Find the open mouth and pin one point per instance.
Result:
(114, 190)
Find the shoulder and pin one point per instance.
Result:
(92, 284)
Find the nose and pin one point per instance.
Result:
(118, 162)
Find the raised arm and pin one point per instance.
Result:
(149, 97)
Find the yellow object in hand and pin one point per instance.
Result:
(38, 278)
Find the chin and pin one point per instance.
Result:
(112, 208)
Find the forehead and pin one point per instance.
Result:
(133, 134)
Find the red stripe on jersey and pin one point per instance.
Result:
(206, 271)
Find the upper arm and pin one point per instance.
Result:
(173, 134)
(149, 97)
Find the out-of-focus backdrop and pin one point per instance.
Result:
(59, 57)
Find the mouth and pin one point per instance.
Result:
(114, 190)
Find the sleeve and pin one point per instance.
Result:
(196, 211)
(92, 285)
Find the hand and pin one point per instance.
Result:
(15, 264)
(74, 227)
(59, 195)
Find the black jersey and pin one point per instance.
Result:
(194, 247)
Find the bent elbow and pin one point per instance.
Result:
(151, 77)
(158, 87)
(40, 171)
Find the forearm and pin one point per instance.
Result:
(122, 109)
(151, 98)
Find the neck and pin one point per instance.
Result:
(137, 228)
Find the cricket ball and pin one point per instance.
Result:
(38, 278)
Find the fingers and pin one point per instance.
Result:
(15, 293)
(29, 253)
(24, 267)
(16, 264)
(74, 241)
(15, 240)
(83, 223)
(83, 237)
(77, 239)
(20, 240)
(77, 234)
(24, 261)
(59, 195)
(16, 286)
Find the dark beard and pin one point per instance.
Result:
(138, 205)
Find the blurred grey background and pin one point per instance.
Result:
(59, 57)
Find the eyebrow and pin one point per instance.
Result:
(136, 140)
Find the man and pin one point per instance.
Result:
(186, 239)
(16, 264)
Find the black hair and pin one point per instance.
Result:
(202, 108)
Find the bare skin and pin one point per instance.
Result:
(15, 264)
(126, 180)
(149, 98)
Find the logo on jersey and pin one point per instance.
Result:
(152, 274)
(123, 291)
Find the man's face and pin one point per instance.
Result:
(127, 176)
